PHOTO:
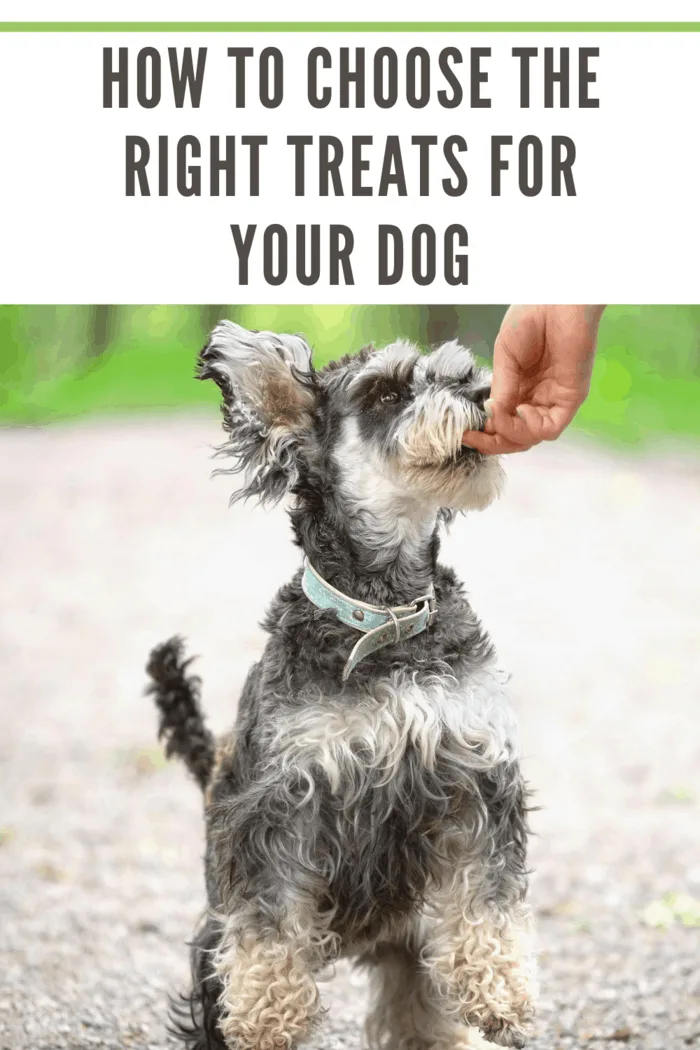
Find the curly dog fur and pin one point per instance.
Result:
(383, 818)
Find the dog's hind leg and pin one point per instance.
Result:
(269, 998)
(195, 1018)
(406, 1012)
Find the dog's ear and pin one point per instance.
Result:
(269, 395)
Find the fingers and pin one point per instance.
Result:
(506, 432)
(491, 444)
(541, 373)
(513, 428)
(498, 436)
(545, 424)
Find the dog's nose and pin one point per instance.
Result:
(481, 395)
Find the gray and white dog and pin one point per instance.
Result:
(368, 801)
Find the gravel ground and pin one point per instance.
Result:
(112, 538)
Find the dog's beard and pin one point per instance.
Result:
(469, 482)
(430, 456)
(430, 431)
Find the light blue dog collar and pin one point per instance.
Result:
(379, 626)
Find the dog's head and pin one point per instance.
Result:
(379, 422)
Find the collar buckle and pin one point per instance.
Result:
(379, 626)
(432, 606)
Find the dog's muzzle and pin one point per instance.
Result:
(379, 625)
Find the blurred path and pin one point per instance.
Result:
(112, 537)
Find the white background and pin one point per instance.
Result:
(378, 10)
(70, 234)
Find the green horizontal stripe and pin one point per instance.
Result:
(349, 27)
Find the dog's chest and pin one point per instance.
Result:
(389, 773)
(398, 727)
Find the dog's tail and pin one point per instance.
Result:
(181, 723)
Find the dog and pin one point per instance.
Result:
(369, 801)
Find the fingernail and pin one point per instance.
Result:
(488, 408)
(520, 415)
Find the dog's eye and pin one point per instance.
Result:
(389, 397)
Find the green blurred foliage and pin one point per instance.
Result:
(58, 362)
(646, 380)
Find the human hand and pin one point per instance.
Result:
(542, 364)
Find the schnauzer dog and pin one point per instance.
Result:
(369, 801)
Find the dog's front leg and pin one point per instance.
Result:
(479, 954)
(480, 959)
(482, 967)
(270, 1000)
